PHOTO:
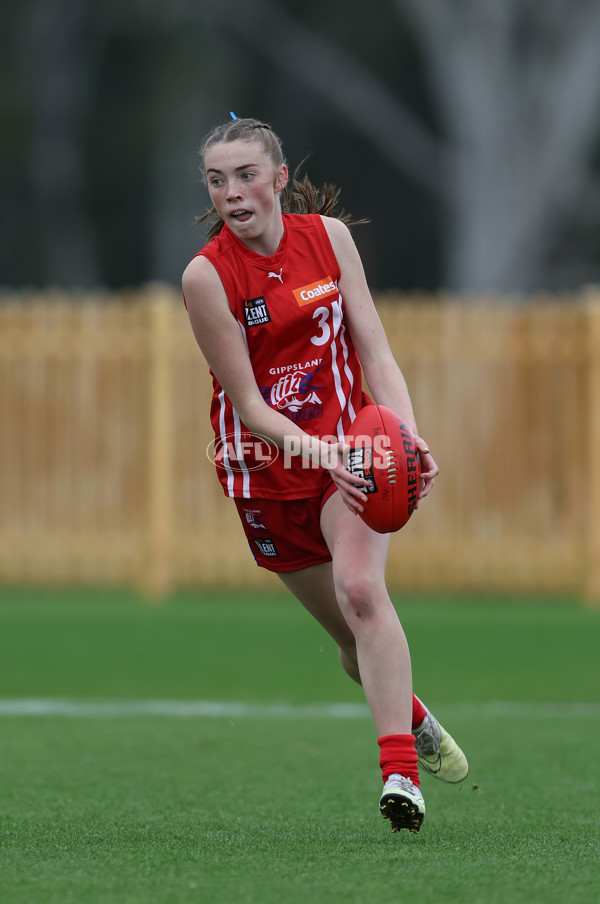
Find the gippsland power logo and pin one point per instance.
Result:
(242, 452)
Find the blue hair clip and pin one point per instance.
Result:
(233, 116)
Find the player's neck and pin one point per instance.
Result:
(268, 242)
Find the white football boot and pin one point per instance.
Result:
(438, 752)
(402, 803)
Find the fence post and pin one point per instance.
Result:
(157, 579)
(592, 587)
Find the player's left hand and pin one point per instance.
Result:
(429, 469)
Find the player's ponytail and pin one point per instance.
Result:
(301, 196)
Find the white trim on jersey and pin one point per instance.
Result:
(337, 327)
(349, 374)
(223, 437)
(246, 481)
(244, 469)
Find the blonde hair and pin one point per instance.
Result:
(299, 196)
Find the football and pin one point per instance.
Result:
(383, 452)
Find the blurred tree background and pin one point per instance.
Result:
(468, 131)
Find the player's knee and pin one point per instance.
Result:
(360, 594)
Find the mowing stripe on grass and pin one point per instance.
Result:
(226, 709)
(181, 708)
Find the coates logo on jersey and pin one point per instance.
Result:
(242, 452)
(316, 291)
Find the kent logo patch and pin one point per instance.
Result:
(256, 311)
(267, 548)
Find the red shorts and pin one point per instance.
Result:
(285, 535)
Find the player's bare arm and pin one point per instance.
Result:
(383, 376)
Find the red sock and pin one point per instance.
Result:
(398, 754)
(419, 712)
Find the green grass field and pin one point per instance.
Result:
(191, 752)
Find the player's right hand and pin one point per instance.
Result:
(333, 457)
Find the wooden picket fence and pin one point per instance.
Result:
(104, 477)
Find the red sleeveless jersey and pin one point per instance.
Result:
(290, 312)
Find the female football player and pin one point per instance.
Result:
(280, 307)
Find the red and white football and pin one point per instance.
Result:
(383, 452)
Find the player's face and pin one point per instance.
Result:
(244, 190)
